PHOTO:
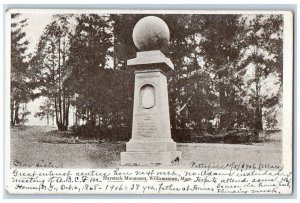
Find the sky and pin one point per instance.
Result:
(36, 24)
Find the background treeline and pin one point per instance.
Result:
(228, 73)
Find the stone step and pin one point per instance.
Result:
(150, 158)
(150, 146)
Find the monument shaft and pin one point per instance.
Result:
(151, 112)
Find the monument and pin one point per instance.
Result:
(151, 142)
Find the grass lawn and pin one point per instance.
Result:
(39, 144)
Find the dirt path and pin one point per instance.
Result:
(35, 145)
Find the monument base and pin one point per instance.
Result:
(150, 151)
(151, 145)
(150, 158)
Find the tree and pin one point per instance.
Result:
(90, 82)
(46, 110)
(261, 60)
(220, 52)
(50, 67)
(20, 85)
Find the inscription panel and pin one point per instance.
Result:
(146, 126)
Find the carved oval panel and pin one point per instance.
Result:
(148, 96)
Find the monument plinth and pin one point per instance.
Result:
(151, 141)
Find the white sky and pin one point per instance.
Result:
(36, 24)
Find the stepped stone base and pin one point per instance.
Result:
(150, 158)
(150, 146)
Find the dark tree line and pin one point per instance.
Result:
(222, 63)
(21, 91)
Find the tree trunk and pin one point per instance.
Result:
(64, 107)
(222, 100)
(258, 119)
(55, 96)
(59, 84)
(61, 108)
(56, 112)
(225, 97)
(67, 112)
(16, 120)
(258, 110)
(47, 119)
(92, 117)
(12, 120)
(24, 109)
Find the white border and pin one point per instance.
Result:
(288, 60)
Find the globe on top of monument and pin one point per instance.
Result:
(150, 33)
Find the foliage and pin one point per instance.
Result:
(227, 77)
(102, 94)
(50, 68)
(261, 64)
(46, 110)
(21, 89)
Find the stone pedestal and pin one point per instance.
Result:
(151, 141)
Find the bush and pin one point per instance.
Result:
(96, 132)
(240, 136)
(236, 136)
(181, 135)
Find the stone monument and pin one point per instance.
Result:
(151, 141)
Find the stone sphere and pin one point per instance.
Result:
(150, 33)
